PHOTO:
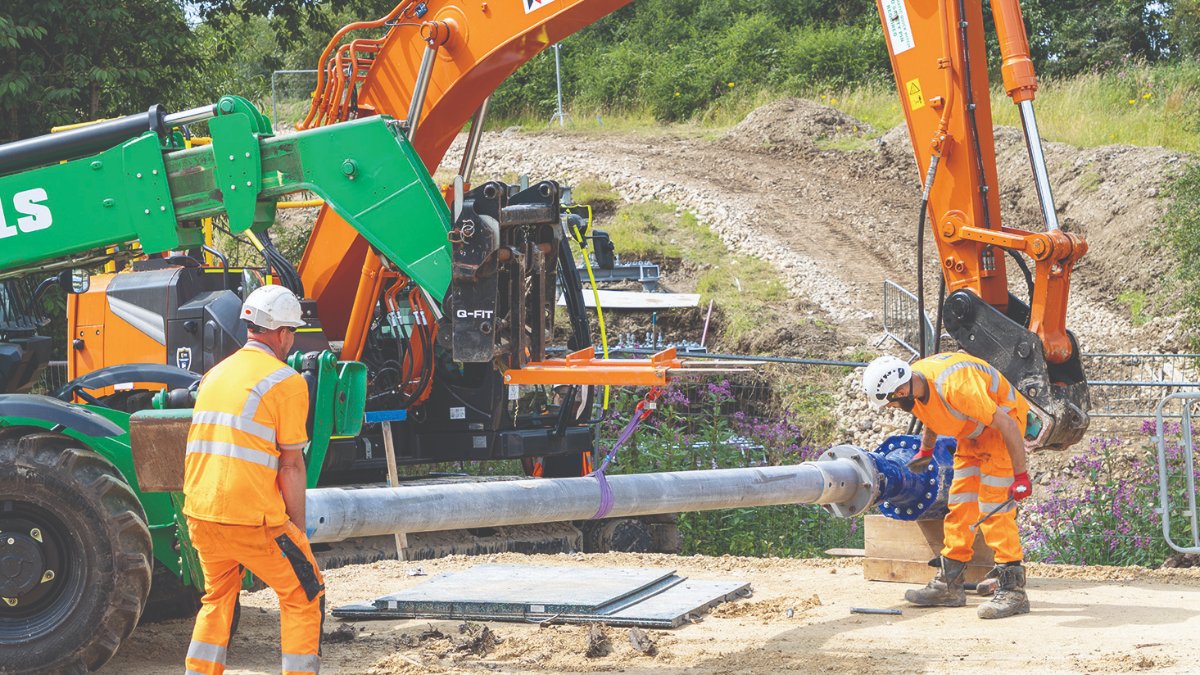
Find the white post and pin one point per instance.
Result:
(559, 114)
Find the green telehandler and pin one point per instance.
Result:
(82, 543)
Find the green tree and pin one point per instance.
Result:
(64, 61)
(1067, 37)
(1183, 27)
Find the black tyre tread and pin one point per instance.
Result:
(169, 597)
(125, 526)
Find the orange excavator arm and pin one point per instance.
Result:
(939, 62)
(472, 47)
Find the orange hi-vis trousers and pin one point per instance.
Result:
(281, 557)
(983, 473)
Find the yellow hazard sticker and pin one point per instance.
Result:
(916, 100)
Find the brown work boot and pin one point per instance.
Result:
(1010, 598)
(945, 590)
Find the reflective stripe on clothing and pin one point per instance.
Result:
(262, 388)
(243, 424)
(984, 368)
(301, 663)
(988, 507)
(204, 658)
(206, 652)
(959, 474)
(247, 408)
(996, 481)
(963, 498)
(236, 451)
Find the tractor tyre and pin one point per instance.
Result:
(169, 598)
(75, 555)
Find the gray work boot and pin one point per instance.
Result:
(946, 589)
(1010, 598)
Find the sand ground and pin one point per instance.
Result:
(1091, 620)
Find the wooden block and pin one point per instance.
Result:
(898, 550)
(913, 572)
(158, 441)
(845, 552)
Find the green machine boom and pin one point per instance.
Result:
(79, 538)
(365, 170)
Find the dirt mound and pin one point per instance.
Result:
(793, 123)
(1112, 195)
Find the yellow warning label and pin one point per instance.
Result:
(916, 100)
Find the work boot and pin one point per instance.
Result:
(1010, 598)
(945, 590)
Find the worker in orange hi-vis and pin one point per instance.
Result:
(244, 485)
(955, 394)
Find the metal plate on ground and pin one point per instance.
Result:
(629, 597)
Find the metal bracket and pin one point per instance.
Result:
(868, 493)
(237, 168)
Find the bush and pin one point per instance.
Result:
(834, 57)
(1181, 229)
(702, 427)
(747, 52)
(1114, 521)
(612, 78)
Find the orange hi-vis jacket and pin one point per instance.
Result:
(248, 407)
(965, 393)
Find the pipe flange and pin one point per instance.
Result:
(868, 480)
(906, 495)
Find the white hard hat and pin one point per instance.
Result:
(272, 307)
(881, 378)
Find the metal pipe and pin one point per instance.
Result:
(79, 141)
(742, 357)
(182, 117)
(419, 89)
(846, 482)
(1041, 179)
(1188, 450)
(473, 137)
(1190, 471)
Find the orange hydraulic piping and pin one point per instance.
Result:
(358, 69)
(947, 64)
(486, 46)
(582, 367)
(325, 54)
(364, 302)
(421, 316)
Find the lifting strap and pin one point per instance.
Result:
(643, 410)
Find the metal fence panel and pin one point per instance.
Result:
(1131, 385)
(290, 86)
(900, 319)
(1177, 471)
